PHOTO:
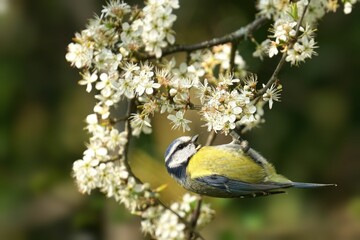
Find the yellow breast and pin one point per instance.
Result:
(230, 163)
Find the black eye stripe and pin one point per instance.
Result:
(181, 146)
(174, 150)
(176, 146)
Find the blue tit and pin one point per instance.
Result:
(226, 171)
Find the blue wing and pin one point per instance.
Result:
(242, 189)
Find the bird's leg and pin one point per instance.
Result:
(244, 145)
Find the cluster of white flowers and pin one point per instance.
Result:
(286, 15)
(97, 168)
(157, 25)
(91, 171)
(103, 48)
(167, 87)
(166, 224)
(223, 107)
(232, 103)
(276, 9)
(284, 32)
(218, 58)
(196, 75)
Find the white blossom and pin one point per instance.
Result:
(140, 123)
(166, 105)
(272, 94)
(88, 79)
(203, 89)
(179, 121)
(106, 60)
(227, 80)
(157, 23)
(273, 50)
(79, 55)
(116, 139)
(145, 84)
(115, 8)
(103, 110)
(169, 227)
(262, 49)
(347, 7)
(86, 174)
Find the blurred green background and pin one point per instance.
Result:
(312, 135)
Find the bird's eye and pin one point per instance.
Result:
(181, 146)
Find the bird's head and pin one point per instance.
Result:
(178, 154)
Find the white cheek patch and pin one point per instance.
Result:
(172, 147)
(181, 156)
(170, 152)
(176, 161)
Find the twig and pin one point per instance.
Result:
(231, 37)
(244, 145)
(273, 77)
(275, 74)
(211, 138)
(234, 46)
(130, 108)
(195, 216)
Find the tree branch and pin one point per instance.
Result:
(231, 37)
(194, 218)
(130, 108)
(211, 138)
(273, 77)
(196, 214)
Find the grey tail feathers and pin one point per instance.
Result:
(311, 185)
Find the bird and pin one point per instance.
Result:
(225, 171)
